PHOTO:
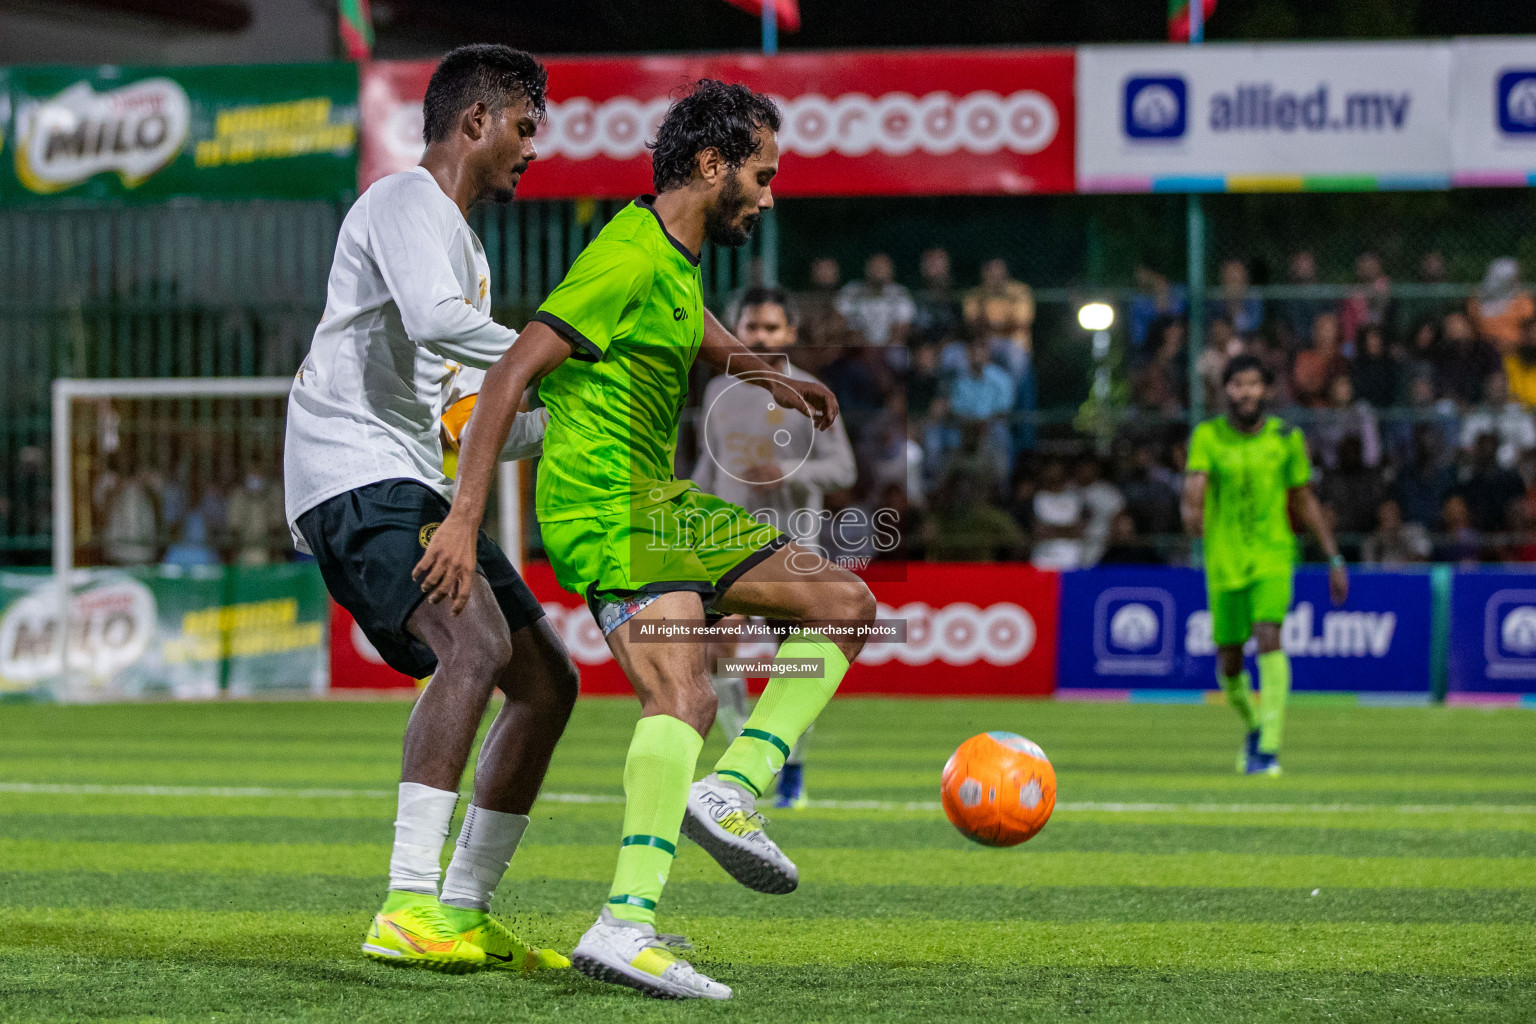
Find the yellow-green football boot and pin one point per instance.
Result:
(410, 931)
(503, 950)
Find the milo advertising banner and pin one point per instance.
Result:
(229, 132)
(165, 633)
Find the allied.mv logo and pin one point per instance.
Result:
(1509, 634)
(1517, 102)
(1156, 107)
(1133, 631)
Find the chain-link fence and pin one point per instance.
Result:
(203, 289)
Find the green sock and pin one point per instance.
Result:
(657, 774)
(399, 899)
(462, 919)
(784, 711)
(1274, 688)
(1240, 695)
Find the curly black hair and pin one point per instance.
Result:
(1241, 364)
(482, 72)
(722, 115)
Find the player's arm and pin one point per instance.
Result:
(1305, 508)
(1197, 477)
(1192, 505)
(448, 565)
(1302, 506)
(722, 351)
(834, 467)
(409, 241)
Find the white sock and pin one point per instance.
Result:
(486, 844)
(420, 828)
(733, 708)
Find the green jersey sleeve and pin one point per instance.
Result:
(600, 299)
(1199, 459)
(1298, 467)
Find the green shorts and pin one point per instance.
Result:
(694, 542)
(1233, 612)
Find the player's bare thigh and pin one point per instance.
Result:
(799, 584)
(670, 677)
(1266, 636)
(475, 643)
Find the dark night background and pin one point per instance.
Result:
(414, 27)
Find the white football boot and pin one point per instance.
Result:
(629, 953)
(722, 817)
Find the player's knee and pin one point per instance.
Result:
(850, 601)
(1266, 636)
(565, 684)
(485, 659)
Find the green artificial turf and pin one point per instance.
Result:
(219, 862)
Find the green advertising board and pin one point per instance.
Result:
(166, 632)
(278, 131)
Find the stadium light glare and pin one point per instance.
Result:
(1096, 316)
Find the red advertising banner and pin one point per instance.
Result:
(911, 122)
(972, 630)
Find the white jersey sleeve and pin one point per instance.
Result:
(525, 439)
(407, 309)
(410, 240)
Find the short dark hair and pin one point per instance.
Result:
(1243, 363)
(725, 116)
(481, 72)
(770, 295)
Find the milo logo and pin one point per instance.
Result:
(111, 624)
(134, 131)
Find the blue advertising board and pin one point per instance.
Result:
(1493, 632)
(1148, 628)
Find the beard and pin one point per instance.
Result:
(498, 194)
(718, 227)
(1248, 417)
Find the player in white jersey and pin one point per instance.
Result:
(774, 463)
(407, 311)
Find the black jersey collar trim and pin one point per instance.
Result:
(648, 202)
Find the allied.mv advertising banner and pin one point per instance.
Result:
(1132, 629)
(1281, 117)
(1493, 632)
(284, 131)
(1493, 112)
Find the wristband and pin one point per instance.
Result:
(1336, 562)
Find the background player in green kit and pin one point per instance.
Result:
(613, 345)
(1247, 479)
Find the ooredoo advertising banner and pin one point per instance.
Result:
(275, 131)
(1493, 112)
(1125, 629)
(1213, 118)
(1493, 632)
(914, 122)
(971, 630)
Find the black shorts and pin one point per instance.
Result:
(369, 539)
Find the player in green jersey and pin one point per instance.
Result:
(1247, 479)
(613, 346)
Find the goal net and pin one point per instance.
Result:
(168, 524)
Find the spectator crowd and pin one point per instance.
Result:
(1416, 405)
(1417, 412)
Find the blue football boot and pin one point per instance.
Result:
(1250, 748)
(1260, 763)
(791, 788)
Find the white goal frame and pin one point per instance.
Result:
(66, 390)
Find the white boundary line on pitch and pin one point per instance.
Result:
(237, 792)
